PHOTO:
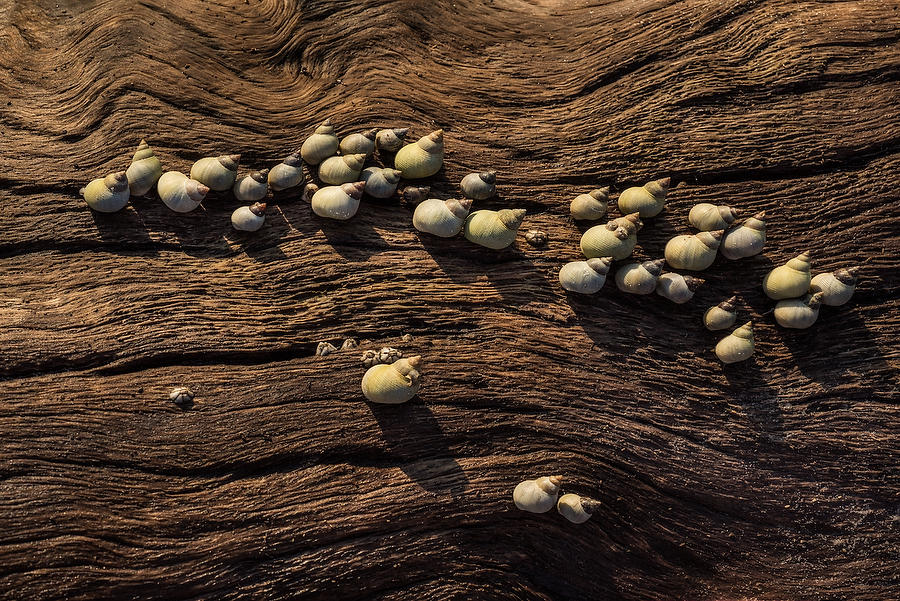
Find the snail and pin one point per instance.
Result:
(249, 219)
(707, 217)
(536, 238)
(575, 508)
(323, 349)
(217, 173)
(798, 313)
(608, 240)
(676, 287)
(479, 186)
(321, 145)
(381, 183)
(144, 170)
(494, 229)
(538, 495)
(693, 252)
(309, 191)
(444, 218)
(722, 316)
(648, 200)
(182, 395)
(392, 384)
(252, 187)
(338, 202)
(737, 346)
(415, 194)
(790, 280)
(639, 278)
(836, 287)
(107, 194)
(286, 174)
(342, 169)
(746, 239)
(590, 206)
(585, 277)
(363, 143)
(391, 140)
(386, 355)
(179, 192)
(422, 158)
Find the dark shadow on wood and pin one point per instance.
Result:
(124, 228)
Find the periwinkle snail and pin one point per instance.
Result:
(217, 173)
(798, 313)
(179, 192)
(287, 174)
(707, 217)
(107, 194)
(648, 200)
(381, 183)
(144, 171)
(337, 202)
(746, 239)
(479, 186)
(392, 384)
(253, 187)
(575, 508)
(341, 169)
(737, 346)
(676, 287)
(444, 218)
(591, 206)
(639, 278)
(249, 219)
(836, 287)
(321, 145)
(610, 240)
(415, 194)
(422, 158)
(585, 277)
(391, 140)
(494, 229)
(693, 252)
(538, 495)
(363, 143)
(790, 280)
(721, 316)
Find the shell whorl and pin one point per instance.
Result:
(488, 177)
(658, 188)
(711, 239)
(354, 190)
(631, 223)
(258, 208)
(654, 267)
(460, 208)
(230, 161)
(116, 182)
(729, 304)
(601, 194)
(143, 152)
(326, 129)
(600, 265)
(433, 142)
(800, 262)
(415, 194)
(847, 276)
(813, 301)
(293, 159)
(511, 218)
(745, 331)
(260, 176)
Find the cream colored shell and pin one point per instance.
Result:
(591, 206)
(721, 316)
(391, 140)
(217, 173)
(144, 171)
(609, 240)
(798, 313)
(422, 158)
(676, 287)
(790, 280)
(337, 202)
(737, 346)
(381, 183)
(363, 143)
(694, 253)
(538, 495)
(639, 278)
(444, 218)
(321, 145)
(707, 217)
(342, 169)
(107, 194)
(746, 239)
(392, 384)
(494, 229)
(253, 187)
(479, 186)
(585, 277)
(575, 508)
(837, 288)
(287, 174)
(180, 193)
(249, 219)
(648, 200)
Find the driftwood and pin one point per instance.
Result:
(772, 479)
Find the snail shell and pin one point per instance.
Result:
(608, 240)
(381, 183)
(746, 239)
(342, 169)
(422, 158)
(737, 346)
(253, 187)
(363, 143)
(576, 509)
(321, 145)
(181, 395)
(494, 229)
(722, 316)
(790, 280)
(323, 349)
(217, 173)
(287, 174)
(107, 194)
(694, 252)
(585, 277)
(648, 200)
(479, 186)
(538, 495)
(249, 219)
(676, 287)
(631, 223)
(415, 194)
(144, 170)
(798, 313)
(391, 140)
(179, 192)
(392, 384)
(386, 355)
(639, 278)
(444, 218)
(308, 191)
(707, 217)
(338, 202)
(590, 206)
(836, 287)
(536, 238)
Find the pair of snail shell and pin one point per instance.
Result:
(540, 495)
(639, 278)
(286, 174)
(422, 158)
(737, 346)
(252, 187)
(721, 316)
(337, 202)
(216, 173)
(343, 169)
(648, 200)
(798, 313)
(144, 171)
(693, 252)
(444, 218)
(381, 183)
(249, 219)
(323, 143)
(179, 192)
(107, 194)
(616, 239)
(790, 280)
(392, 384)
(391, 140)
(479, 186)
(746, 240)
(493, 229)
(591, 206)
(676, 287)
(708, 217)
(585, 277)
(837, 287)
(363, 143)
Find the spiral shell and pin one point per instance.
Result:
(422, 158)
(798, 313)
(107, 194)
(182, 396)
(494, 229)
(639, 278)
(392, 384)
(538, 495)
(836, 287)
(722, 316)
(790, 280)
(536, 238)
(217, 173)
(746, 239)
(737, 346)
(415, 194)
(338, 202)
(342, 169)
(381, 183)
(309, 190)
(444, 218)
(693, 252)
(386, 355)
(608, 240)
(479, 186)
(321, 145)
(287, 174)
(576, 509)
(363, 143)
(676, 287)
(648, 200)
(179, 192)
(707, 217)
(249, 219)
(631, 223)
(144, 171)
(591, 206)
(585, 277)
(253, 187)
(391, 140)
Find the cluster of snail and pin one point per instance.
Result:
(540, 495)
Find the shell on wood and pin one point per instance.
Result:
(309, 191)
(479, 186)
(386, 355)
(179, 192)
(494, 229)
(182, 395)
(737, 346)
(342, 169)
(693, 252)
(836, 287)
(798, 313)
(676, 287)
(363, 143)
(321, 145)
(287, 174)
(538, 495)
(575, 508)
(648, 200)
(338, 202)
(249, 219)
(253, 187)
(790, 280)
(107, 194)
(639, 278)
(144, 171)
(391, 140)
(746, 239)
(608, 240)
(415, 194)
(722, 316)
(422, 158)
(590, 206)
(392, 384)
(707, 217)
(631, 223)
(381, 183)
(323, 349)
(536, 238)
(217, 173)
(585, 277)
(444, 218)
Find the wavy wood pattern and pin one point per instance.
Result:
(766, 480)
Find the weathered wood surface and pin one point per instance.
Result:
(767, 480)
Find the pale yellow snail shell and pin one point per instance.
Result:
(342, 169)
(253, 187)
(391, 140)
(610, 240)
(722, 316)
(249, 219)
(693, 252)
(746, 239)
(338, 202)
(415, 194)
(381, 183)
(144, 171)
(631, 223)
(836, 287)
(287, 174)
(639, 278)
(790, 280)
(648, 200)
(321, 145)
(107, 194)
(591, 206)
(585, 277)
(479, 186)
(538, 495)
(444, 218)
(422, 158)
(217, 173)
(737, 346)
(707, 217)
(676, 287)
(798, 313)
(575, 508)
(179, 192)
(392, 384)
(363, 143)
(494, 229)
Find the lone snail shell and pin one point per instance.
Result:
(746, 239)
(337, 202)
(253, 187)
(342, 169)
(737, 346)
(392, 384)
(321, 145)
(707, 217)
(444, 218)
(836, 287)
(217, 173)
(790, 280)
(648, 200)
(144, 171)
(538, 495)
(381, 183)
(391, 140)
(639, 278)
(591, 206)
(415, 194)
(494, 229)
(363, 143)
(179, 192)
(608, 240)
(576, 509)
(722, 316)
(287, 174)
(422, 158)
(676, 287)
(695, 253)
(585, 277)
(249, 219)
(479, 186)
(798, 313)
(107, 194)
